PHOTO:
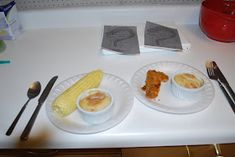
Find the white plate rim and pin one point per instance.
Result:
(93, 128)
(148, 103)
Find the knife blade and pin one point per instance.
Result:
(42, 98)
(224, 80)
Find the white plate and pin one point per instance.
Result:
(123, 102)
(166, 101)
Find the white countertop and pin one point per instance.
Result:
(40, 53)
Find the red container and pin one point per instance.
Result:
(217, 19)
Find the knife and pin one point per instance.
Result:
(42, 98)
(224, 81)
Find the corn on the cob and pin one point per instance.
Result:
(65, 103)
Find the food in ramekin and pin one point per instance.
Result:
(187, 86)
(188, 80)
(95, 105)
(153, 83)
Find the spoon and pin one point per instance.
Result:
(33, 91)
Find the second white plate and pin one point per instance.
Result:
(123, 102)
(166, 101)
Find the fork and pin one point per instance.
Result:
(212, 75)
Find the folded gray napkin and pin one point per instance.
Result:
(121, 40)
(159, 36)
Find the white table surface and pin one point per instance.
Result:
(39, 54)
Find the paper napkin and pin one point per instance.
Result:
(120, 40)
(151, 32)
(159, 36)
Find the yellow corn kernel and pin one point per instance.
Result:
(65, 103)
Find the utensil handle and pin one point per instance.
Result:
(27, 129)
(231, 92)
(227, 96)
(13, 124)
(218, 150)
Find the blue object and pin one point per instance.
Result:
(5, 61)
(6, 8)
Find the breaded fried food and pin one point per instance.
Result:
(153, 83)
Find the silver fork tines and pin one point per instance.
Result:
(210, 70)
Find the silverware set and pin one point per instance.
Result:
(214, 73)
(33, 91)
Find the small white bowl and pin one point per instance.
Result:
(99, 113)
(184, 92)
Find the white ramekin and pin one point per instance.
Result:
(186, 93)
(95, 117)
